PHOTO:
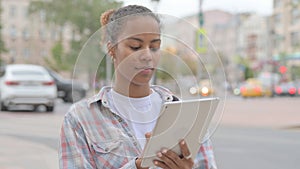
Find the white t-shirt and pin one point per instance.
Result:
(140, 113)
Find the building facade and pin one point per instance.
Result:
(27, 37)
(222, 28)
(286, 19)
(254, 40)
(286, 36)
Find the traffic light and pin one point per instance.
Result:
(201, 19)
(282, 69)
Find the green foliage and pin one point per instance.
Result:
(248, 73)
(82, 15)
(245, 63)
(176, 63)
(2, 45)
(57, 62)
(192, 66)
(167, 67)
(295, 71)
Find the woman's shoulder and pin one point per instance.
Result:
(78, 108)
(89, 104)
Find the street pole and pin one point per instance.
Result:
(155, 6)
(108, 69)
(201, 19)
(200, 40)
(1, 45)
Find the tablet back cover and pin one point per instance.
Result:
(183, 119)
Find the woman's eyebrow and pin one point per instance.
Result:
(136, 39)
(140, 40)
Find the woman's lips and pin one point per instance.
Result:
(146, 70)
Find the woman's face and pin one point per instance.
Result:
(137, 51)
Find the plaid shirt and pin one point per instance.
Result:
(92, 136)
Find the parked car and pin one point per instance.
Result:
(204, 88)
(68, 90)
(286, 89)
(22, 84)
(297, 85)
(254, 88)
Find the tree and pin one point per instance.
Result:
(82, 15)
(245, 65)
(2, 45)
(57, 60)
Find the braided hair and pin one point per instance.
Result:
(113, 23)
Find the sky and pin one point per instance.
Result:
(182, 8)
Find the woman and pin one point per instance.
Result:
(109, 129)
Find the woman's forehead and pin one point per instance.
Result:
(139, 26)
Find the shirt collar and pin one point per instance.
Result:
(165, 94)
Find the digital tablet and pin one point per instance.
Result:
(188, 119)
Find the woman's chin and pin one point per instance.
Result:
(141, 82)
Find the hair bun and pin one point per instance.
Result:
(104, 19)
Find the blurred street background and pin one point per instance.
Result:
(256, 133)
(245, 52)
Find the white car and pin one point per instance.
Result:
(25, 84)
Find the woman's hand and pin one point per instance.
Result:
(170, 160)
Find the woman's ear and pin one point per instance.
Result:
(111, 50)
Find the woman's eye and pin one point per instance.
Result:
(154, 49)
(135, 48)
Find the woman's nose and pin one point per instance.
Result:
(146, 55)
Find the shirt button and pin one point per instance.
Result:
(134, 143)
(120, 120)
(168, 98)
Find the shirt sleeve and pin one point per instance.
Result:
(205, 158)
(73, 149)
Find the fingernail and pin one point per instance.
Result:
(182, 142)
(155, 162)
(164, 151)
(159, 155)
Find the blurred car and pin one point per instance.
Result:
(236, 89)
(254, 88)
(68, 90)
(269, 80)
(22, 84)
(286, 89)
(204, 88)
(297, 85)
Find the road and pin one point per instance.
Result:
(256, 133)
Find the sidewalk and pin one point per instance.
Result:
(277, 113)
(20, 154)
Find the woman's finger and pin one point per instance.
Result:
(166, 160)
(184, 149)
(160, 164)
(173, 156)
(148, 135)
